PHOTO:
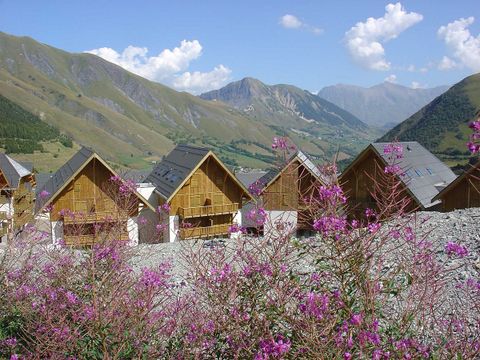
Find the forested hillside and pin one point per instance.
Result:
(23, 132)
(442, 125)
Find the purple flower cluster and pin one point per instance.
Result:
(392, 169)
(235, 228)
(316, 305)
(474, 145)
(330, 225)
(164, 208)
(332, 194)
(273, 348)
(394, 149)
(257, 216)
(256, 188)
(280, 143)
(452, 248)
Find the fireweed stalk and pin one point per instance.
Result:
(365, 287)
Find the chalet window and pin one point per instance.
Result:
(78, 187)
(286, 200)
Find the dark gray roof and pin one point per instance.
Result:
(12, 170)
(248, 178)
(135, 175)
(41, 179)
(423, 173)
(58, 180)
(304, 160)
(175, 168)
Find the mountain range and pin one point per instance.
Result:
(133, 121)
(442, 125)
(383, 105)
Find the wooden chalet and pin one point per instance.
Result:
(284, 191)
(421, 173)
(463, 192)
(204, 196)
(17, 186)
(83, 204)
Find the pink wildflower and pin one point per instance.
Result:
(452, 248)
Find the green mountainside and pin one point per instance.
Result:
(23, 132)
(442, 125)
(133, 121)
(288, 108)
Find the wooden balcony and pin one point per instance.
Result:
(87, 240)
(23, 206)
(208, 210)
(204, 232)
(99, 216)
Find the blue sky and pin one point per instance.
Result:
(310, 44)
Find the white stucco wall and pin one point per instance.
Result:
(280, 222)
(57, 232)
(173, 228)
(132, 228)
(243, 213)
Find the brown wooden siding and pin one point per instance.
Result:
(209, 197)
(92, 197)
(358, 184)
(464, 194)
(282, 194)
(23, 201)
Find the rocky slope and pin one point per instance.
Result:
(383, 105)
(133, 121)
(288, 107)
(442, 125)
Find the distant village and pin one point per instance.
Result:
(191, 194)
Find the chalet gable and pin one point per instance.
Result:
(270, 177)
(12, 171)
(67, 173)
(465, 175)
(173, 172)
(422, 173)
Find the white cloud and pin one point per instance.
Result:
(290, 22)
(168, 66)
(464, 47)
(365, 40)
(197, 82)
(446, 63)
(392, 78)
(411, 68)
(417, 85)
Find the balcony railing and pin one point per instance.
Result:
(99, 216)
(87, 240)
(204, 232)
(208, 210)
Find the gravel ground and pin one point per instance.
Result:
(460, 226)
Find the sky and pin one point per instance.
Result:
(198, 46)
